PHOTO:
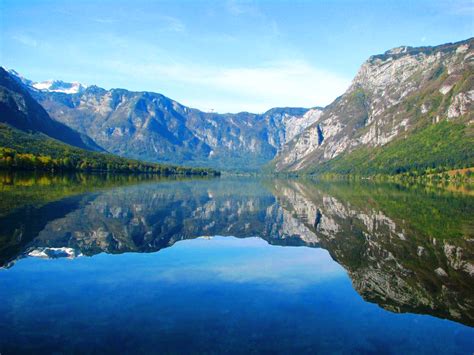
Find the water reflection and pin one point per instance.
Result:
(404, 248)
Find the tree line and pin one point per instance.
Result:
(14, 160)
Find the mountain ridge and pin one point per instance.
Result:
(392, 96)
(49, 85)
(150, 126)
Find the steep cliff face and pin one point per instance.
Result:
(152, 127)
(392, 96)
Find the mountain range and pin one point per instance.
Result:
(31, 140)
(407, 109)
(153, 127)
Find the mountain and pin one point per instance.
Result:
(59, 86)
(30, 139)
(18, 109)
(50, 85)
(407, 109)
(150, 126)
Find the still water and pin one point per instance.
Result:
(93, 264)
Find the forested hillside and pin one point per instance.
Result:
(36, 151)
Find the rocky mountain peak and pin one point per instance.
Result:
(49, 85)
(402, 51)
(398, 50)
(392, 93)
(59, 86)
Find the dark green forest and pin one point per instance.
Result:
(35, 151)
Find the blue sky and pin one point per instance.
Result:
(228, 56)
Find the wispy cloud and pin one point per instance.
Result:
(249, 8)
(172, 24)
(243, 7)
(103, 20)
(459, 7)
(26, 40)
(289, 83)
(142, 17)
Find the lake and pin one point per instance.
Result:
(136, 264)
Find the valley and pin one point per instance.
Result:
(407, 110)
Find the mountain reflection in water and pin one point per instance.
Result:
(407, 249)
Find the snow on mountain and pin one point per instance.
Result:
(50, 85)
(59, 86)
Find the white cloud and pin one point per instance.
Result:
(459, 7)
(26, 40)
(172, 24)
(242, 7)
(103, 20)
(255, 89)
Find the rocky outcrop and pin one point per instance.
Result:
(392, 94)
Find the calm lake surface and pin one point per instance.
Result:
(123, 264)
